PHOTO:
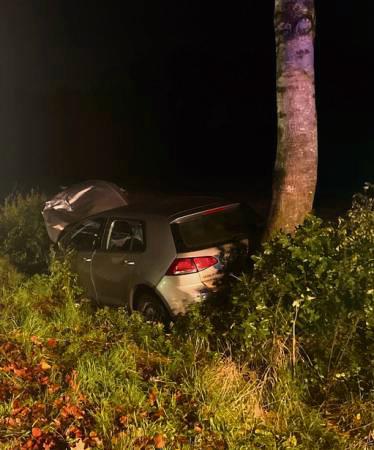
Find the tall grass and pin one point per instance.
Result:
(76, 376)
(108, 380)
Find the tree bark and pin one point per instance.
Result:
(295, 171)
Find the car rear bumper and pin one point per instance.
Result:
(181, 291)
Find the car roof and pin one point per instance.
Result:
(167, 206)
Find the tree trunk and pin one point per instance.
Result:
(295, 171)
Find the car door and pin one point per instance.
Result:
(116, 263)
(83, 239)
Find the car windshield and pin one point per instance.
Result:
(209, 229)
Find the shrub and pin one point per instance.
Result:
(9, 277)
(310, 299)
(23, 237)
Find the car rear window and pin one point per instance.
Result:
(209, 229)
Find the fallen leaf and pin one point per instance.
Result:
(11, 422)
(52, 388)
(159, 413)
(35, 340)
(36, 432)
(22, 373)
(118, 437)
(159, 441)
(178, 396)
(94, 439)
(28, 444)
(44, 380)
(152, 397)
(72, 410)
(73, 430)
(124, 420)
(71, 379)
(44, 365)
(22, 411)
(7, 347)
(79, 445)
(49, 445)
(51, 342)
(198, 428)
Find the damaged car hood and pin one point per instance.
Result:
(79, 201)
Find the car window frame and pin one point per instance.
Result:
(183, 247)
(70, 231)
(105, 237)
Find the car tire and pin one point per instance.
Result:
(152, 308)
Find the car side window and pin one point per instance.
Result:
(86, 236)
(125, 236)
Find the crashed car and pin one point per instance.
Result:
(156, 256)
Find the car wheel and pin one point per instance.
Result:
(152, 308)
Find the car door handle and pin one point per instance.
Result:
(129, 263)
(87, 259)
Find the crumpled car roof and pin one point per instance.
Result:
(79, 201)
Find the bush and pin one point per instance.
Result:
(23, 237)
(309, 302)
(9, 277)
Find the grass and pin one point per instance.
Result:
(73, 376)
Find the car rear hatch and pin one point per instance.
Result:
(205, 241)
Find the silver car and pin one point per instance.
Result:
(156, 256)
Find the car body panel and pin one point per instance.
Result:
(112, 273)
(117, 274)
(181, 291)
(81, 265)
(114, 276)
(208, 276)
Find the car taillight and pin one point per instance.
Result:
(203, 262)
(181, 266)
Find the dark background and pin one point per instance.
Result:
(173, 95)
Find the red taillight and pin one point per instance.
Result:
(203, 262)
(182, 266)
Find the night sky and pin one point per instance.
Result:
(173, 95)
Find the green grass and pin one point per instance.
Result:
(99, 377)
(276, 366)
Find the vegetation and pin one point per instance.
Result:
(23, 237)
(284, 360)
